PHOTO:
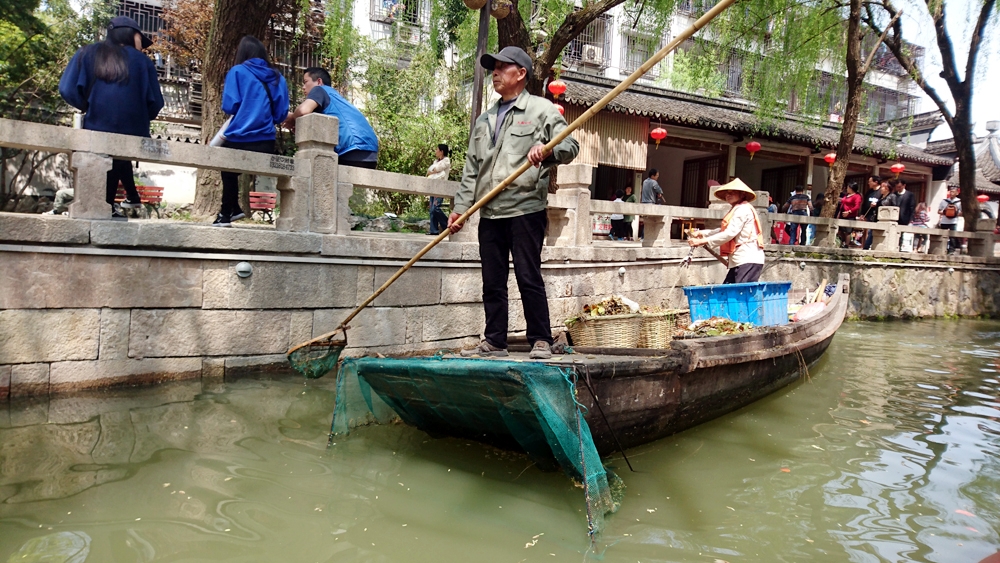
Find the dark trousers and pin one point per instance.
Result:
(954, 243)
(522, 238)
(439, 221)
(796, 231)
(744, 273)
(231, 180)
(619, 229)
(121, 171)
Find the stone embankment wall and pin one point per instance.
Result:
(94, 304)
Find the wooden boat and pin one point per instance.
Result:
(644, 394)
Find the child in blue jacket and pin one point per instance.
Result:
(115, 85)
(256, 96)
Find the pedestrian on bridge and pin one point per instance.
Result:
(115, 85)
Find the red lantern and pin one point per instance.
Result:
(897, 168)
(982, 198)
(558, 88)
(658, 135)
(562, 110)
(752, 148)
(830, 158)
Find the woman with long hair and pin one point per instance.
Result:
(439, 170)
(115, 85)
(256, 96)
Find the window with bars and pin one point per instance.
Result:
(591, 49)
(640, 39)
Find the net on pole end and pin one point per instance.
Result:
(319, 356)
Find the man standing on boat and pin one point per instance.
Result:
(513, 223)
(740, 237)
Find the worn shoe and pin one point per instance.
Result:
(540, 351)
(237, 215)
(222, 220)
(484, 348)
(116, 213)
(131, 204)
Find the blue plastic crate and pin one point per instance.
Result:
(759, 303)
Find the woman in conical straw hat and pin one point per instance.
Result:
(740, 238)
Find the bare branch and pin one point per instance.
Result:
(977, 37)
(871, 56)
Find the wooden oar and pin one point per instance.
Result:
(336, 345)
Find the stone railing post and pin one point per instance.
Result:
(826, 234)
(765, 218)
(90, 180)
(312, 199)
(656, 228)
(570, 225)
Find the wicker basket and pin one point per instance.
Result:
(613, 331)
(657, 329)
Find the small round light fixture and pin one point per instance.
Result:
(802, 265)
(244, 269)
(621, 271)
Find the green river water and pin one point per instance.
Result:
(887, 452)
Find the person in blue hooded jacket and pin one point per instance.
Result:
(115, 85)
(357, 144)
(256, 96)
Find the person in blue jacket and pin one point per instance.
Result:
(256, 96)
(357, 144)
(115, 85)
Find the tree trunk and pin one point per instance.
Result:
(232, 20)
(966, 169)
(855, 79)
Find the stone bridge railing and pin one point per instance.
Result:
(315, 191)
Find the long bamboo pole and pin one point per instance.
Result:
(576, 124)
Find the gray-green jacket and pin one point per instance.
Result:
(531, 121)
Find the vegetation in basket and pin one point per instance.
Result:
(716, 326)
(615, 305)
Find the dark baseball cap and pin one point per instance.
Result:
(510, 54)
(125, 21)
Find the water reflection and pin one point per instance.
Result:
(887, 452)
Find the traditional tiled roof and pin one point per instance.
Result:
(944, 146)
(717, 115)
(918, 123)
(987, 166)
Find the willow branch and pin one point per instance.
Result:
(881, 39)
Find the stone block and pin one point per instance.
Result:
(574, 175)
(301, 329)
(323, 188)
(213, 369)
(316, 130)
(36, 280)
(4, 383)
(114, 334)
(20, 227)
(90, 178)
(29, 411)
(295, 214)
(49, 335)
(27, 380)
(196, 332)
(65, 377)
(279, 285)
(443, 322)
(372, 326)
(388, 246)
(204, 237)
(242, 366)
(366, 283)
(888, 213)
(461, 285)
(417, 286)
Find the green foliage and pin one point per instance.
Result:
(340, 40)
(775, 48)
(412, 108)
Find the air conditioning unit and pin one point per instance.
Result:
(592, 54)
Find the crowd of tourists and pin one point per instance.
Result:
(116, 87)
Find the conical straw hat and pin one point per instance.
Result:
(736, 185)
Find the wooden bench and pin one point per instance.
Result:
(263, 202)
(150, 196)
